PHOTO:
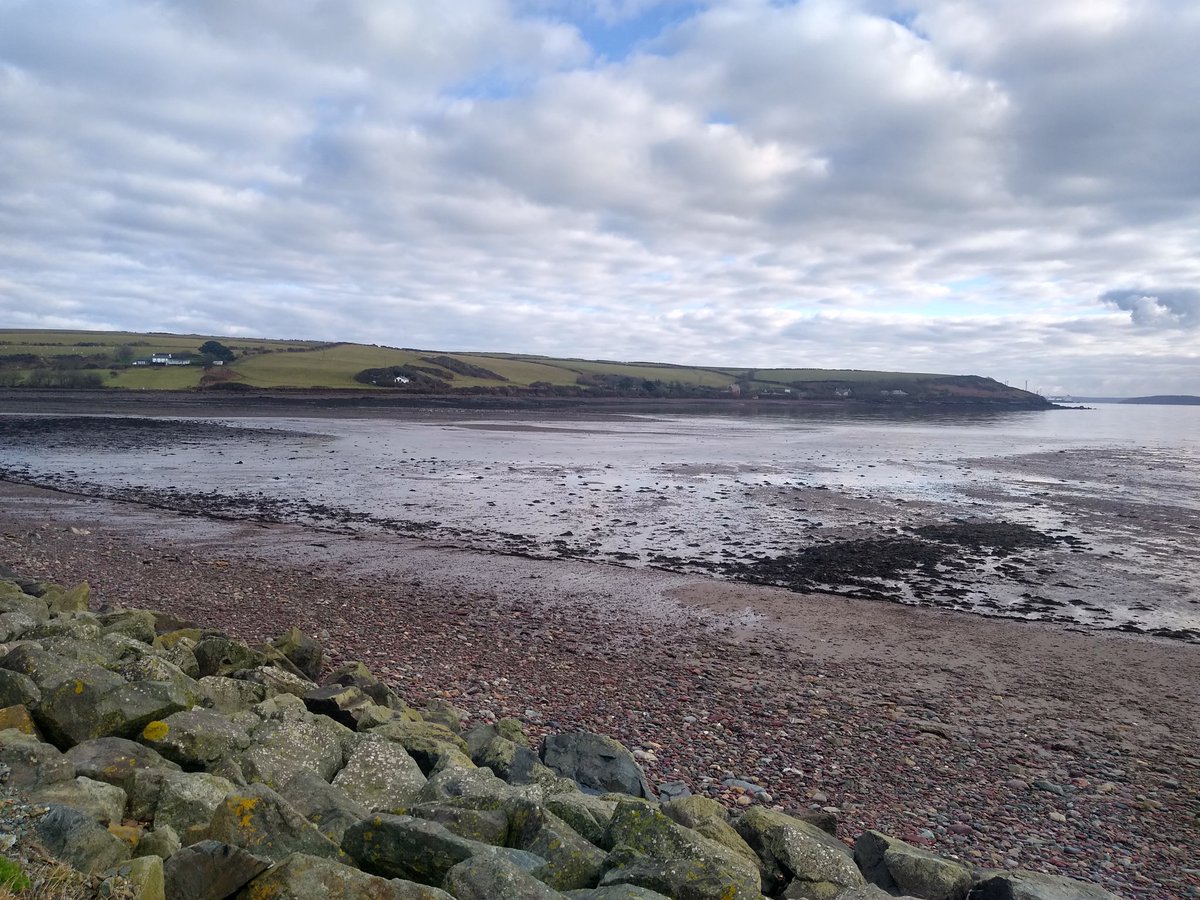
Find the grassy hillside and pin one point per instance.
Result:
(104, 359)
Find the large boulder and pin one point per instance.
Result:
(355, 673)
(680, 879)
(616, 892)
(588, 814)
(231, 695)
(180, 654)
(443, 712)
(596, 763)
(479, 878)
(32, 763)
(571, 862)
(866, 892)
(381, 776)
(14, 600)
(302, 876)
(795, 851)
(195, 738)
(424, 741)
(640, 830)
(277, 680)
(326, 806)
(481, 784)
(162, 842)
(219, 656)
(114, 760)
(419, 850)
(709, 818)
(302, 651)
(79, 840)
(488, 826)
(129, 708)
(68, 601)
(186, 801)
(145, 874)
(1021, 885)
(155, 668)
(897, 867)
(257, 819)
(210, 870)
(18, 717)
(103, 802)
(283, 747)
(15, 625)
(513, 762)
(135, 623)
(18, 689)
(343, 703)
(71, 708)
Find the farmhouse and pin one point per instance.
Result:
(164, 359)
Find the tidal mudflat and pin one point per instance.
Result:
(1081, 517)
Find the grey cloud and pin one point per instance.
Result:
(1157, 307)
(762, 183)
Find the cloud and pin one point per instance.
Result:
(1158, 308)
(932, 184)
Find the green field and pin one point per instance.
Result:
(102, 357)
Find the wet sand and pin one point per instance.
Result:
(1000, 742)
(1102, 535)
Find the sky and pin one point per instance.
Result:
(1008, 188)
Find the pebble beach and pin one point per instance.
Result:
(998, 742)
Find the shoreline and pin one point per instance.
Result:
(910, 720)
(352, 402)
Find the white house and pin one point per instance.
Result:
(169, 359)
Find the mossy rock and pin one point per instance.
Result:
(66, 601)
(381, 776)
(260, 821)
(571, 861)
(486, 879)
(114, 760)
(135, 623)
(302, 651)
(302, 876)
(419, 850)
(709, 818)
(893, 865)
(681, 879)
(793, 850)
(424, 741)
(195, 738)
(641, 828)
(17, 717)
(487, 826)
(587, 814)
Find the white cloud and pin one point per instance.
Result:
(947, 185)
(1158, 308)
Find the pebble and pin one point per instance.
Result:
(975, 800)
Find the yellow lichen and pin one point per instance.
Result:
(243, 809)
(78, 686)
(156, 731)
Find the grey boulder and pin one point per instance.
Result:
(596, 763)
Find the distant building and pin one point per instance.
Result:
(169, 359)
(164, 359)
